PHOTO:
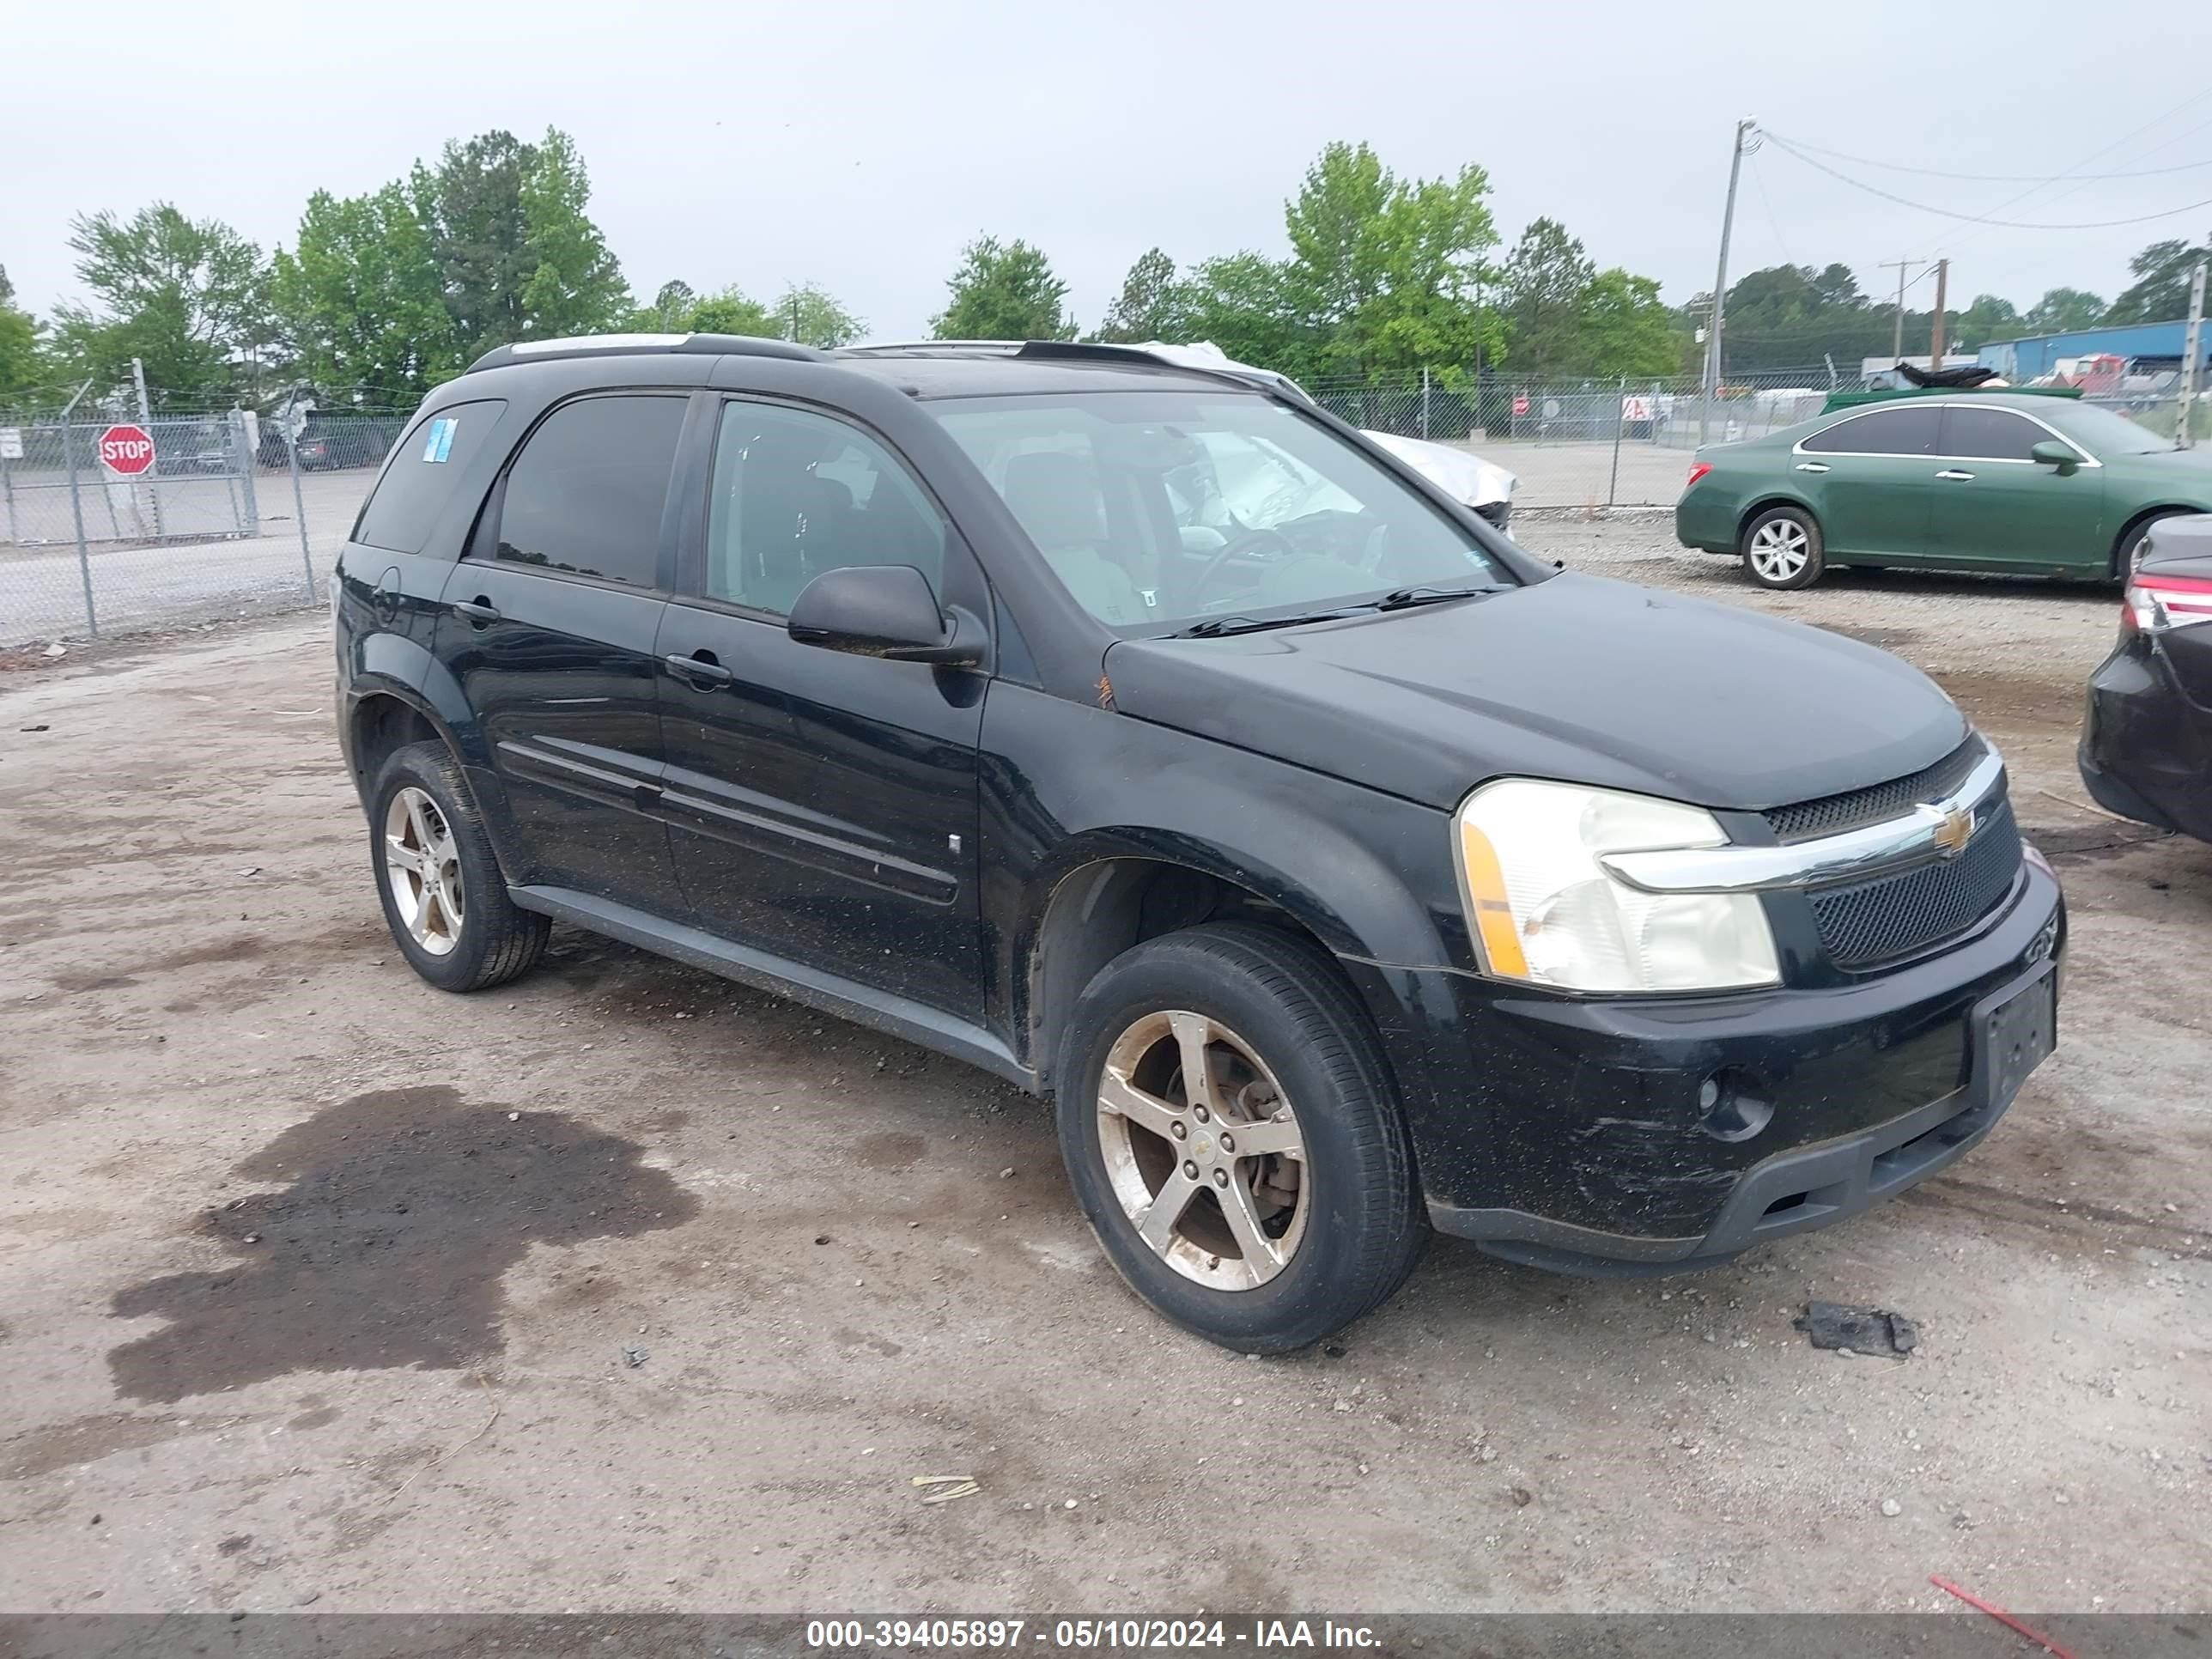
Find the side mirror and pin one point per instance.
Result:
(882, 611)
(2051, 452)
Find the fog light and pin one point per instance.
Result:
(1732, 1110)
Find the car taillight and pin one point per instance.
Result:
(1697, 470)
(2158, 605)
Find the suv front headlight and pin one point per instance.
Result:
(1542, 909)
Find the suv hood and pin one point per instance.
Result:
(1574, 678)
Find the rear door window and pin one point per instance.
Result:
(417, 487)
(1884, 432)
(585, 496)
(1990, 434)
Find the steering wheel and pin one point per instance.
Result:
(1246, 546)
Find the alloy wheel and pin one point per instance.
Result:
(1779, 549)
(422, 863)
(1203, 1150)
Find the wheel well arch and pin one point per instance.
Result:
(1102, 908)
(2166, 510)
(1765, 503)
(384, 721)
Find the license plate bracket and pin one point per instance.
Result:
(2014, 1032)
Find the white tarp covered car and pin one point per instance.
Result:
(1462, 474)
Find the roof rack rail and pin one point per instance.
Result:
(1081, 351)
(693, 345)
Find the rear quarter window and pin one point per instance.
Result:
(418, 485)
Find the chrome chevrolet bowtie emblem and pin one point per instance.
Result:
(1953, 831)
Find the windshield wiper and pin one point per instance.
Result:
(1214, 627)
(1399, 598)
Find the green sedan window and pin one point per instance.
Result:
(1884, 432)
(1990, 434)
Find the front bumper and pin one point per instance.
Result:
(2146, 751)
(1569, 1132)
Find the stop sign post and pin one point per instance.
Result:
(126, 449)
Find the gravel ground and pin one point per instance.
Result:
(626, 1288)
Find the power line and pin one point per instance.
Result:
(1983, 178)
(1765, 201)
(1984, 219)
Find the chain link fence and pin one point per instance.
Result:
(1626, 442)
(230, 513)
(1623, 442)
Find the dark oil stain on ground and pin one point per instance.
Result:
(405, 1208)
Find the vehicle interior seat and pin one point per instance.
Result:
(1058, 501)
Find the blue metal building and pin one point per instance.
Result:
(2152, 345)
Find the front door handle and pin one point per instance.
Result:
(480, 610)
(1953, 472)
(700, 670)
(1812, 467)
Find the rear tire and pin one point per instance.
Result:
(444, 898)
(1782, 550)
(1315, 1219)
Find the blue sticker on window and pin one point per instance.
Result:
(439, 443)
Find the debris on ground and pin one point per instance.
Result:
(944, 1488)
(33, 728)
(633, 1356)
(1858, 1330)
(58, 649)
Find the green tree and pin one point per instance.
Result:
(23, 370)
(1388, 270)
(187, 297)
(730, 312)
(1544, 282)
(1004, 291)
(1151, 306)
(1242, 302)
(575, 284)
(1988, 318)
(2159, 293)
(668, 311)
(2062, 310)
(519, 257)
(811, 315)
(1626, 328)
(361, 300)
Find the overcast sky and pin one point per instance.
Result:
(859, 145)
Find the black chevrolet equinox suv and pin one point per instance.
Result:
(1145, 736)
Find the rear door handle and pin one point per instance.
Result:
(700, 669)
(1953, 472)
(1812, 467)
(480, 611)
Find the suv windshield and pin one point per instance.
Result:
(1158, 510)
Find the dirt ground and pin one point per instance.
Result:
(626, 1288)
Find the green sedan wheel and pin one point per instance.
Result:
(1782, 548)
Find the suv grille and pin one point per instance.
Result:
(1892, 916)
(1831, 815)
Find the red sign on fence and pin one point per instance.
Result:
(1521, 404)
(126, 449)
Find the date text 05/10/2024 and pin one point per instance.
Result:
(983, 1635)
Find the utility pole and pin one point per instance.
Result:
(2192, 360)
(1743, 129)
(1936, 338)
(1900, 266)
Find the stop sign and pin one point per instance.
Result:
(126, 449)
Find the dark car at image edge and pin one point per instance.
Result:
(1340, 869)
(2146, 751)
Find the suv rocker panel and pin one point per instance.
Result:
(879, 1011)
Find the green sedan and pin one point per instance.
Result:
(1955, 481)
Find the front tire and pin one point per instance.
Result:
(1782, 548)
(444, 898)
(1274, 1203)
